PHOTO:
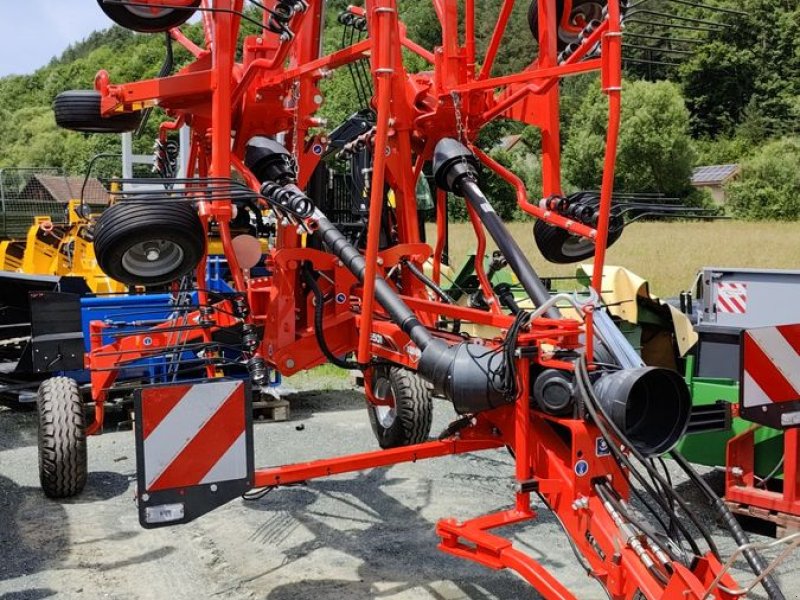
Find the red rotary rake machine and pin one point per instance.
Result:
(563, 391)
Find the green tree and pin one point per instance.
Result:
(722, 150)
(769, 184)
(748, 71)
(28, 133)
(718, 80)
(655, 152)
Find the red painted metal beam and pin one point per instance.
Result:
(368, 460)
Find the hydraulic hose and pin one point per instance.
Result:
(319, 308)
(166, 69)
(436, 289)
(754, 559)
(428, 282)
(583, 387)
(528, 278)
(398, 311)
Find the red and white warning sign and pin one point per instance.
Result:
(192, 442)
(193, 434)
(732, 297)
(770, 384)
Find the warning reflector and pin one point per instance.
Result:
(770, 378)
(732, 297)
(194, 449)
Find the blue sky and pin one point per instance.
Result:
(34, 31)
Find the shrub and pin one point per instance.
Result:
(769, 184)
(655, 152)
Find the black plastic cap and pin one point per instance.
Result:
(269, 160)
(453, 161)
(465, 374)
(651, 406)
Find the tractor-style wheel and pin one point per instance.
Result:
(62, 438)
(149, 19)
(406, 418)
(582, 12)
(148, 243)
(79, 110)
(559, 246)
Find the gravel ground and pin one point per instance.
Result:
(358, 536)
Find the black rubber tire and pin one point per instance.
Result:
(554, 243)
(164, 20)
(79, 110)
(62, 438)
(413, 406)
(533, 20)
(126, 224)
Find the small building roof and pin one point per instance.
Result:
(714, 174)
(509, 141)
(63, 189)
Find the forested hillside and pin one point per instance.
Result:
(732, 94)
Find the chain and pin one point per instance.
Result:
(462, 137)
(460, 128)
(69, 253)
(296, 124)
(459, 119)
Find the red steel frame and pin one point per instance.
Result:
(740, 478)
(275, 90)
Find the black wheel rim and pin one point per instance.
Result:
(577, 247)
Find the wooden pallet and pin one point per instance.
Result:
(271, 409)
(785, 524)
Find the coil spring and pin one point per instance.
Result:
(292, 201)
(257, 368)
(577, 211)
(588, 29)
(240, 307)
(165, 158)
(350, 19)
(557, 204)
(358, 144)
(282, 13)
(250, 338)
(206, 317)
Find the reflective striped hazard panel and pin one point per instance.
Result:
(732, 297)
(770, 379)
(194, 449)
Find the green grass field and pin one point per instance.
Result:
(668, 255)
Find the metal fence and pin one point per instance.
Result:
(26, 193)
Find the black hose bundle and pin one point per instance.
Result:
(319, 308)
(754, 559)
(601, 419)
